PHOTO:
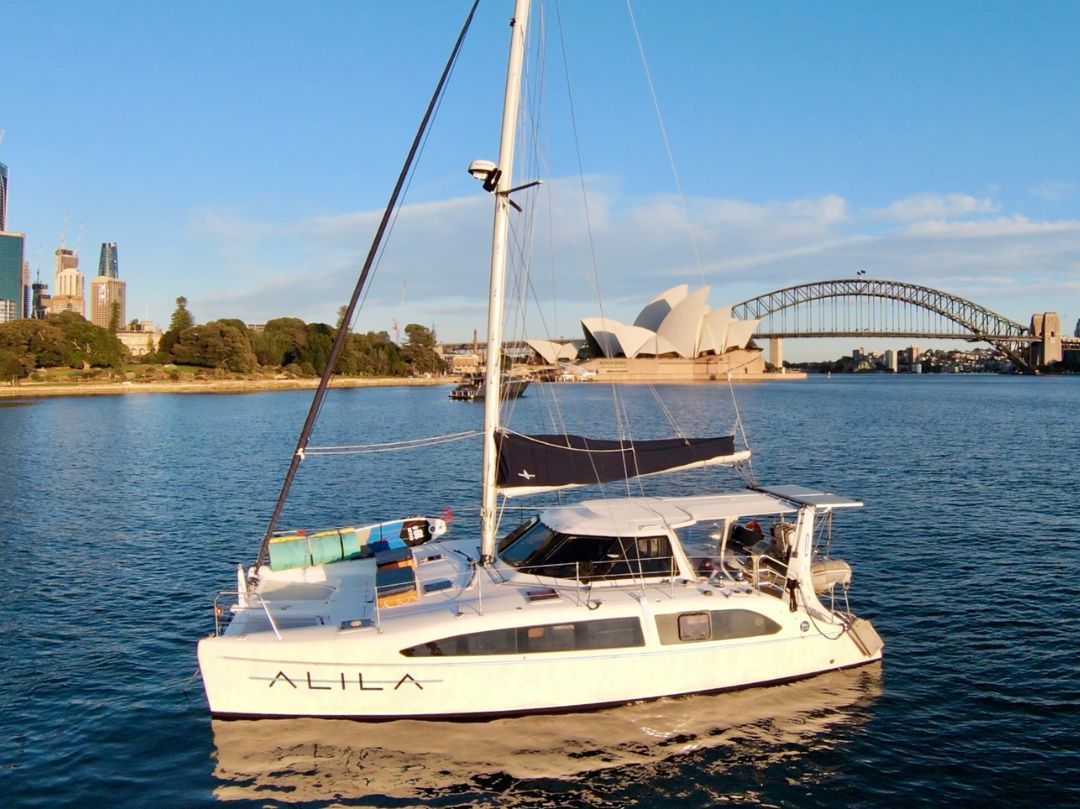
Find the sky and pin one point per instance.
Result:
(241, 153)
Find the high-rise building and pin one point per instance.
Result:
(39, 303)
(69, 295)
(107, 264)
(106, 294)
(12, 247)
(107, 291)
(25, 289)
(3, 196)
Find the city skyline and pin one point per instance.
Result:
(922, 144)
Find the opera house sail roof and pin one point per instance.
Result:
(676, 322)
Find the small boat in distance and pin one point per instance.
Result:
(472, 389)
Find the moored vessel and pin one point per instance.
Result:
(604, 601)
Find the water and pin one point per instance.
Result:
(121, 516)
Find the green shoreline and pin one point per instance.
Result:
(26, 390)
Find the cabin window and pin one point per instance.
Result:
(517, 532)
(611, 633)
(555, 638)
(535, 548)
(695, 626)
(729, 624)
(713, 625)
(486, 643)
(524, 542)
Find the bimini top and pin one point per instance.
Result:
(635, 516)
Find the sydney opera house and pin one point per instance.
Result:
(676, 337)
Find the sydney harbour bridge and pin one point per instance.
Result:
(866, 307)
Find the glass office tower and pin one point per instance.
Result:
(11, 275)
(107, 264)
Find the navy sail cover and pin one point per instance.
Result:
(539, 462)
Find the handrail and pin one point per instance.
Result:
(728, 568)
(218, 611)
(588, 577)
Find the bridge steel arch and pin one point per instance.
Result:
(976, 323)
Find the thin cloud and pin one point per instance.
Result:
(1052, 190)
(991, 228)
(935, 206)
(307, 268)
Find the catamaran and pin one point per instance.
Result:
(605, 601)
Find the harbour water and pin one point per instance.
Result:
(121, 516)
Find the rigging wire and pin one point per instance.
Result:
(392, 446)
(339, 339)
(667, 142)
(397, 211)
(621, 423)
(524, 231)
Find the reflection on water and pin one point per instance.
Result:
(320, 759)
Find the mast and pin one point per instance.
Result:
(499, 237)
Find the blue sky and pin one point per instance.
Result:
(240, 153)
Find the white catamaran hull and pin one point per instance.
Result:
(326, 671)
(247, 686)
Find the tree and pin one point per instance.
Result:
(87, 344)
(370, 354)
(15, 365)
(420, 350)
(236, 323)
(40, 341)
(215, 345)
(114, 317)
(281, 341)
(181, 318)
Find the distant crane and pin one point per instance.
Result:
(396, 328)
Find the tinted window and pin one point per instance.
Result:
(713, 625)
(611, 633)
(525, 542)
(536, 548)
(517, 532)
(727, 624)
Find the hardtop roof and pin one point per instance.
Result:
(632, 516)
